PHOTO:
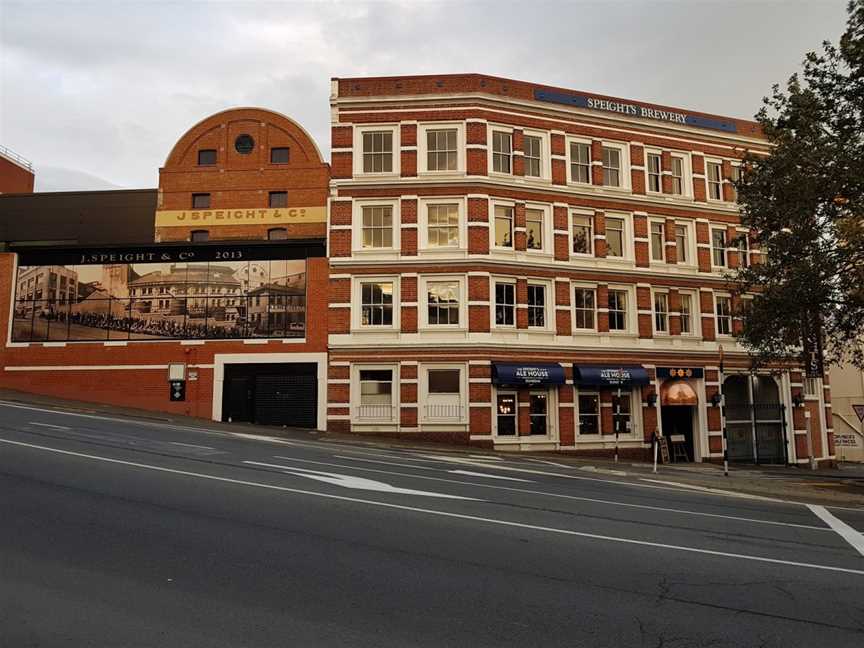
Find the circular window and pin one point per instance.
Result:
(244, 144)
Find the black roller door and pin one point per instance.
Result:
(275, 394)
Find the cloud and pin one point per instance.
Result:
(108, 87)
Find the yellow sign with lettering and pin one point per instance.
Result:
(217, 217)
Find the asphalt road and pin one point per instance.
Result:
(121, 532)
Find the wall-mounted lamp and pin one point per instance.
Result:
(651, 399)
(716, 399)
(798, 399)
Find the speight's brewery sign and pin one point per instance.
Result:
(532, 375)
(633, 110)
(211, 217)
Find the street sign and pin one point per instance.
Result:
(859, 410)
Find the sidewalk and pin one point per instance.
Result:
(843, 486)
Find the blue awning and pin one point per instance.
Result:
(511, 373)
(600, 376)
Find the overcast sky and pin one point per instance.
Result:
(106, 88)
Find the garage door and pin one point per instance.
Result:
(271, 394)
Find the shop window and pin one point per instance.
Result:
(589, 413)
(441, 149)
(503, 226)
(376, 394)
(621, 412)
(658, 241)
(617, 310)
(377, 226)
(277, 234)
(723, 314)
(444, 394)
(580, 162)
(200, 201)
(536, 306)
(505, 304)
(206, 157)
(506, 415)
(376, 303)
(611, 167)
(278, 199)
(654, 172)
(199, 236)
(502, 151)
(377, 151)
(534, 228)
(715, 180)
(584, 309)
(718, 247)
(280, 155)
(615, 237)
(443, 303)
(583, 227)
(532, 147)
(538, 413)
(442, 225)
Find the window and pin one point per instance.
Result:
(621, 412)
(686, 314)
(809, 386)
(506, 419)
(537, 407)
(661, 312)
(443, 303)
(658, 241)
(503, 226)
(442, 225)
(441, 149)
(715, 180)
(376, 303)
(444, 394)
(743, 245)
(505, 304)
(724, 315)
(736, 177)
(677, 175)
(377, 226)
(533, 152)
(536, 306)
(580, 162)
(582, 234)
(718, 247)
(534, 228)
(617, 310)
(502, 152)
(682, 243)
(278, 199)
(611, 167)
(200, 201)
(655, 170)
(280, 155)
(199, 236)
(376, 393)
(584, 309)
(589, 413)
(614, 237)
(207, 157)
(378, 151)
(277, 234)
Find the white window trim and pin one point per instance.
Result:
(695, 314)
(570, 180)
(548, 306)
(717, 332)
(686, 173)
(548, 248)
(708, 197)
(668, 331)
(357, 151)
(588, 286)
(357, 305)
(692, 249)
(735, 165)
(648, 190)
(355, 401)
(632, 310)
(496, 391)
(422, 148)
(492, 246)
(588, 391)
(625, 165)
(545, 155)
(651, 259)
(711, 230)
(628, 243)
(423, 392)
(491, 128)
(423, 224)
(357, 226)
(493, 280)
(570, 218)
(423, 282)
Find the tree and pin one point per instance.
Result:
(804, 204)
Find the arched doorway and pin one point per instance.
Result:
(754, 419)
(678, 401)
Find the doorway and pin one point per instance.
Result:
(271, 394)
(678, 419)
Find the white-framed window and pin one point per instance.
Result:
(579, 168)
(539, 297)
(532, 147)
(683, 241)
(502, 150)
(505, 303)
(654, 171)
(375, 392)
(581, 233)
(376, 303)
(658, 240)
(588, 413)
(584, 308)
(506, 413)
(718, 247)
(376, 149)
(612, 166)
(619, 314)
(443, 302)
(723, 314)
(742, 242)
(680, 173)
(616, 237)
(441, 147)
(622, 412)
(503, 215)
(443, 392)
(688, 300)
(661, 312)
(534, 228)
(375, 225)
(736, 177)
(538, 412)
(714, 178)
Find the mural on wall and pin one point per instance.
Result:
(180, 298)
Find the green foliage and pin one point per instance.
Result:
(806, 204)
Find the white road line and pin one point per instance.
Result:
(476, 474)
(449, 514)
(717, 491)
(191, 445)
(845, 531)
(375, 461)
(560, 495)
(486, 457)
(548, 463)
(48, 425)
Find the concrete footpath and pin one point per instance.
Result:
(842, 486)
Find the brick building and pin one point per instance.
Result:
(16, 173)
(217, 279)
(528, 267)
